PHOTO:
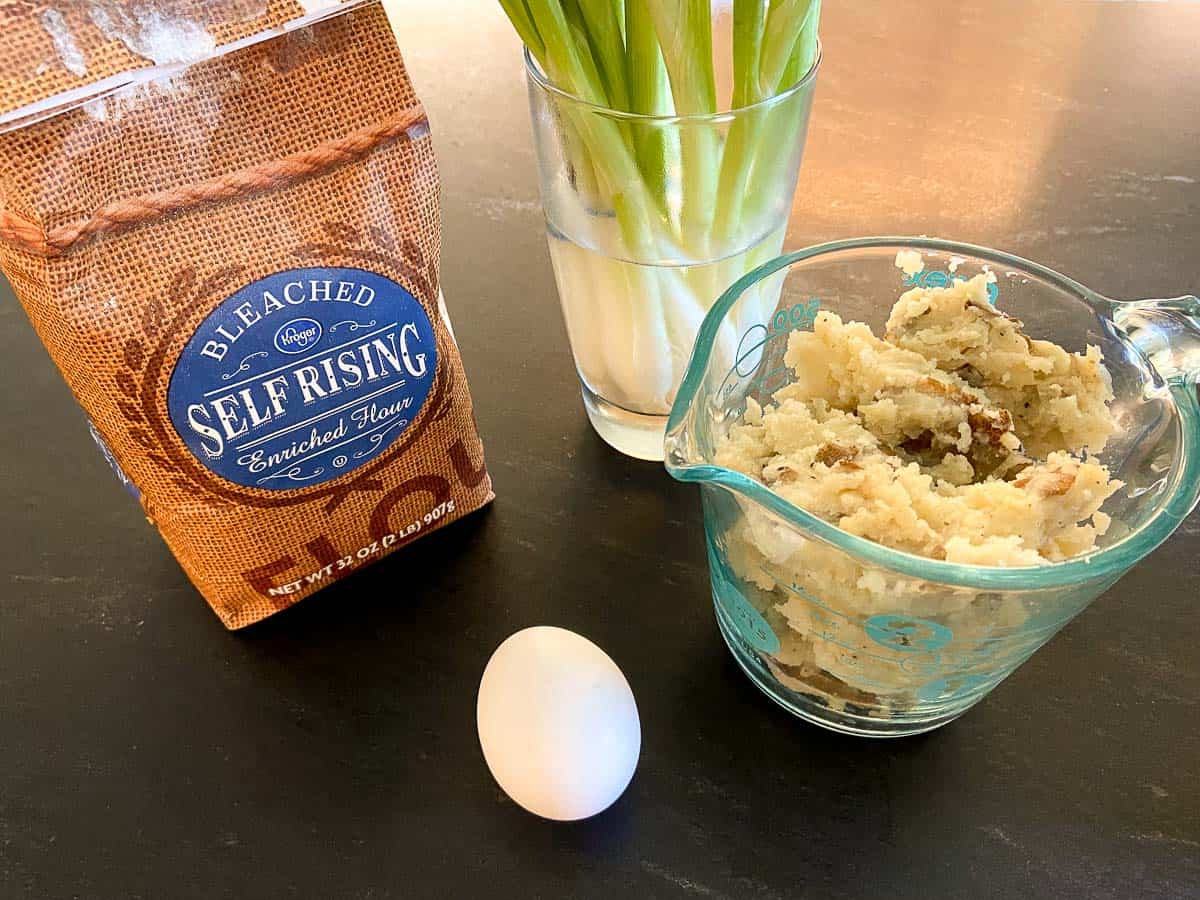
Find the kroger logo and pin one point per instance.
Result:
(298, 335)
(931, 278)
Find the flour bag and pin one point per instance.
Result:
(221, 217)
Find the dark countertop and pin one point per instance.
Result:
(331, 752)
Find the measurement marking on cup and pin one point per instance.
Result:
(919, 639)
(803, 594)
(953, 684)
(783, 322)
(909, 634)
(859, 651)
(753, 627)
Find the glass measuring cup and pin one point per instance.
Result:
(868, 640)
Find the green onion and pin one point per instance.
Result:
(682, 194)
(786, 26)
(655, 57)
(748, 21)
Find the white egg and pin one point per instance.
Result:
(557, 723)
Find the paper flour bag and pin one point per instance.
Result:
(222, 219)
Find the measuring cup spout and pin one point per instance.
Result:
(1167, 331)
(680, 451)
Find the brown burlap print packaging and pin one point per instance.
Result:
(221, 217)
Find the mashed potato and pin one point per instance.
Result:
(1058, 400)
(900, 396)
(824, 460)
(955, 437)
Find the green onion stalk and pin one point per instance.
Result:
(681, 206)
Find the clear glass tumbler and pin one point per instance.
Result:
(865, 639)
(649, 219)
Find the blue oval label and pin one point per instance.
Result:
(302, 377)
(298, 335)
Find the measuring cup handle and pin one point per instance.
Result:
(1167, 331)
